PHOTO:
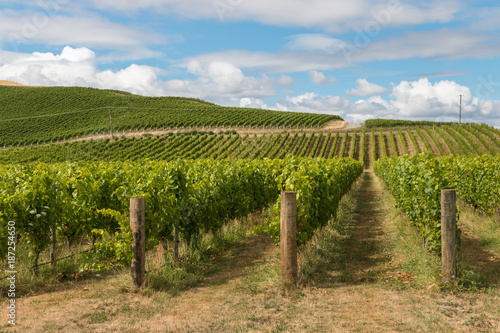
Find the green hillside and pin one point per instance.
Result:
(20, 102)
(46, 114)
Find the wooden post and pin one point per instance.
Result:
(448, 234)
(54, 228)
(137, 218)
(176, 243)
(288, 239)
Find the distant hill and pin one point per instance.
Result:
(43, 114)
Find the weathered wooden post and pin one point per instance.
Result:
(176, 243)
(137, 218)
(448, 234)
(288, 239)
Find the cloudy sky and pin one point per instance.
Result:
(360, 59)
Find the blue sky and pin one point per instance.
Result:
(360, 59)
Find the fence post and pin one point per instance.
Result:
(288, 239)
(448, 234)
(176, 243)
(137, 217)
(54, 228)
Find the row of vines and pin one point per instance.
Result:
(416, 183)
(91, 199)
(69, 125)
(468, 140)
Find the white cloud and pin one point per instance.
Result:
(415, 100)
(366, 88)
(279, 62)
(332, 16)
(315, 42)
(219, 81)
(256, 103)
(422, 98)
(439, 74)
(227, 84)
(320, 78)
(486, 19)
(318, 52)
(30, 27)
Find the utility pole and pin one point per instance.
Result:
(110, 122)
(460, 114)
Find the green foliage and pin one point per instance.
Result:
(331, 154)
(353, 145)
(374, 146)
(382, 144)
(473, 129)
(344, 144)
(477, 180)
(92, 199)
(489, 131)
(43, 115)
(446, 139)
(370, 123)
(413, 140)
(424, 139)
(415, 183)
(393, 143)
(434, 138)
(325, 145)
(363, 149)
(467, 137)
(320, 184)
(460, 141)
(403, 141)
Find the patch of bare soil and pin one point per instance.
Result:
(399, 143)
(340, 143)
(441, 141)
(329, 146)
(14, 84)
(409, 143)
(431, 142)
(10, 84)
(348, 126)
(418, 139)
(335, 125)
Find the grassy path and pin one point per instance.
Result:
(361, 285)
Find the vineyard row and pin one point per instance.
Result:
(362, 144)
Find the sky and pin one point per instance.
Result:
(360, 59)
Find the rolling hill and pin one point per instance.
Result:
(30, 115)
